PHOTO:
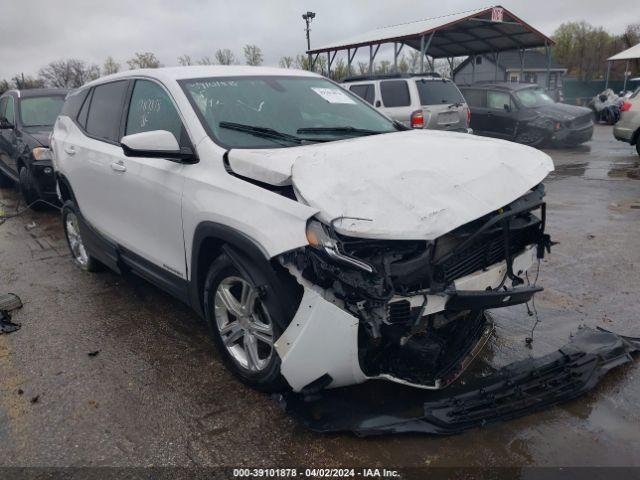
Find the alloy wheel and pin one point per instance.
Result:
(244, 324)
(76, 245)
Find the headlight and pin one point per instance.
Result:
(41, 153)
(319, 238)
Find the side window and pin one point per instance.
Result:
(73, 103)
(497, 100)
(9, 112)
(474, 98)
(395, 93)
(365, 91)
(105, 111)
(84, 111)
(151, 109)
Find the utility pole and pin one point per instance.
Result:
(308, 17)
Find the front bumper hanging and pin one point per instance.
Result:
(515, 390)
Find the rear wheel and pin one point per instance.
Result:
(243, 327)
(79, 253)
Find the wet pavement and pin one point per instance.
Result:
(156, 393)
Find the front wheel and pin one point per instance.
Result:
(29, 189)
(79, 253)
(243, 327)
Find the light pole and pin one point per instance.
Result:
(308, 17)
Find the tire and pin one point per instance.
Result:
(6, 182)
(531, 137)
(71, 226)
(29, 189)
(244, 331)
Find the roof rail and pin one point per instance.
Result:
(383, 76)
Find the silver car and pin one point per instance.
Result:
(417, 101)
(627, 129)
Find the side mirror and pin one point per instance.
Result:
(378, 104)
(507, 107)
(5, 124)
(156, 144)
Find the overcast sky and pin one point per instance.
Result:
(34, 32)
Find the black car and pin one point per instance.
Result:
(524, 113)
(26, 120)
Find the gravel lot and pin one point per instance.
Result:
(157, 393)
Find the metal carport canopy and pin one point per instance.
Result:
(483, 30)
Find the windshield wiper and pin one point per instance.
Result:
(264, 132)
(347, 130)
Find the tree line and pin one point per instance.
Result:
(73, 73)
(580, 47)
(583, 49)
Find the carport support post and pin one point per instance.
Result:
(496, 59)
(370, 60)
(606, 83)
(473, 68)
(626, 74)
(522, 50)
(548, 52)
(424, 48)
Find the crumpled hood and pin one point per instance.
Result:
(417, 184)
(39, 134)
(562, 111)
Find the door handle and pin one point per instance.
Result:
(118, 166)
(70, 150)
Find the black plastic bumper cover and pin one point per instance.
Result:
(513, 391)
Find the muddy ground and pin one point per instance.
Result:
(157, 393)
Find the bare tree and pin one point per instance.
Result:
(363, 68)
(252, 54)
(4, 86)
(206, 61)
(286, 62)
(403, 65)
(225, 56)
(383, 67)
(302, 62)
(184, 60)
(110, 66)
(71, 73)
(144, 60)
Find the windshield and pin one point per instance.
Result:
(532, 97)
(280, 111)
(40, 111)
(438, 92)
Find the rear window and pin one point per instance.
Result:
(437, 92)
(395, 93)
(105, 111)
(365, 91)
(40, 111)
(475, 98)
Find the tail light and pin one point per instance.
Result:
(468, 117)
(417, 119)
(626, 106)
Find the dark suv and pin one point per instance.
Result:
(26, 120)
(526, 114)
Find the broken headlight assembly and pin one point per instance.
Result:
(320, 238)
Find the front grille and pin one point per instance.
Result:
(488, 250)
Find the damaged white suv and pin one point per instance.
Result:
(323, 243)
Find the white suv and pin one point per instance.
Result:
(323, 243)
